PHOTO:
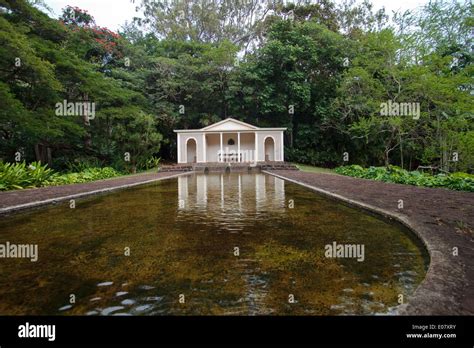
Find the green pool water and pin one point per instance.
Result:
(231, 244)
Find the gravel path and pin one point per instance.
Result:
(442, 218)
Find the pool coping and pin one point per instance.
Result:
(426, 293)
(50, 201)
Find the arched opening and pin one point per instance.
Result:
(269, 149)
(191, 151)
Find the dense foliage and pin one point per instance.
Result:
(46, 62)
(20, 175)
(394, 174)
(89, 174)
(322, 69)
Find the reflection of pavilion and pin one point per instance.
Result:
(231, 192)
(235, 203)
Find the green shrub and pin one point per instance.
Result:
(152, 162)
(83, 163)
(19, 175)
(148, 163)
(311, 157)
(394, 174)
(90, 174)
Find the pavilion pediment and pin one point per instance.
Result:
(229, 124)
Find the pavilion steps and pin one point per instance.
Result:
(176, 168)
(278, 166)
(228, 167)
(219, 167)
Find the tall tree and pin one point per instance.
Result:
(239, 22)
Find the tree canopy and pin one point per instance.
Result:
(325, 70)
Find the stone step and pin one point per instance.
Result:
(176, 168)
(216, 167)
(224, 168)
(279, 166)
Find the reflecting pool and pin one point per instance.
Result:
(217, 244)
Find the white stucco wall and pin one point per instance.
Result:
(277, 137)
(247, 146)
(213, 146)
(182, 150)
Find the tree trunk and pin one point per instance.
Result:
(43, 154)
(37, 152)
(401, 152)
(49, 157)
(86, 122)
(387, 162)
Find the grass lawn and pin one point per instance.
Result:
(312, 169)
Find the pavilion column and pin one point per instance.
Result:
(204, 146)
(238, 147)
(256, 147)
(221, 159)
(282, 147)
(179, 148)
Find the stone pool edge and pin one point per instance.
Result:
(422, 300)
(50, 201)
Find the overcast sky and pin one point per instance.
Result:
(113, 13)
